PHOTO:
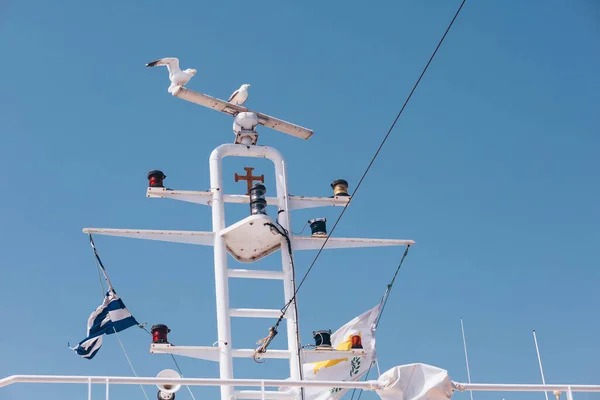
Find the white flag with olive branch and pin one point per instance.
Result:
(344, 369)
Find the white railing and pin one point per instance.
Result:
(492, 387)
(263, 383)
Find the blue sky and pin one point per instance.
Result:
(493, 170)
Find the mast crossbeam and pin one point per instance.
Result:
(315, 243)
(254, 313)
(206, 238)
(205, 198)
(211, 353)
(188, 237)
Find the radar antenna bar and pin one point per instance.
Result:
(234, 109)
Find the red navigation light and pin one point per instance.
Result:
(356, 342)
(159, 333)
(155, 178)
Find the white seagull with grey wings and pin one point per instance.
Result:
(176, 75)
(240, 96)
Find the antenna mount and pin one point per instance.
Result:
(245, 119)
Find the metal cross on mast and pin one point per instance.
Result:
(249, 178)
(249, 240)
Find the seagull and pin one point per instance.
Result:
(176, 75)
(240, 96)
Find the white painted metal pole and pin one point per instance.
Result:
(254, 313)
(221, 274)
(539, 361)
(107, 389)
(499, 387)
(221, 270)
(462, 327)
(569, 393)
(90, 389)
(253, 274)
(289, 286)
(281, 383)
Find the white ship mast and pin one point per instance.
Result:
(249, 240)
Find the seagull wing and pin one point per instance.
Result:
(172, 64)
(233, 95)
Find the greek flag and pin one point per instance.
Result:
(110, 317)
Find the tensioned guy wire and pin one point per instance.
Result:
(284, 309)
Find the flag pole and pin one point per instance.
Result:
(462, 327)
(537, 349)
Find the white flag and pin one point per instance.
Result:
(344, 369)
(415, 382)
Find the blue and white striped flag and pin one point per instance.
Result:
(110, 317)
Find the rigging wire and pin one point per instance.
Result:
(284, 309)
(462, 328)
(97, 260)
(273, 330)
(383, 302)
(387, 292)
(142, 325)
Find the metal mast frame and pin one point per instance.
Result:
(236, 238)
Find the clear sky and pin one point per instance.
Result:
(493, 169)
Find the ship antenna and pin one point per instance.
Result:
(537, 349)
(462, 328)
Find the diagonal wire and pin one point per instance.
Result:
(129, 361)
(284, 309)
(383, 302)
(116, 334)
(142, 326)
(174, 360)
(389, 287)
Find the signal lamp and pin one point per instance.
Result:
(340, 187)
(356, 341)
(322, 338)
(258, 203)
(155, 178)
(159, 333)
(318, 226)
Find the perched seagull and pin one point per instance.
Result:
(176, 75)
(240, 96)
